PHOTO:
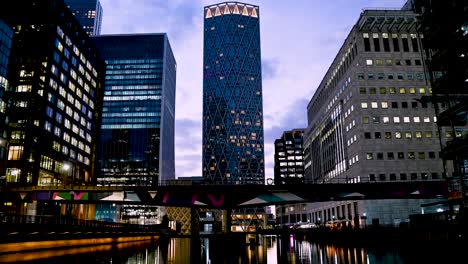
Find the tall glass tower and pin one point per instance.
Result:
(233, 151)
(88, 13)
(137, 136)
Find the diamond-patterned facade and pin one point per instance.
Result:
(233, 149)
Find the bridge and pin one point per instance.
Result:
(225, 196)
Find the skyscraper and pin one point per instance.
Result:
(137, 136)
(233, 151)
(88, 13)
(54, 96)
(289, 158)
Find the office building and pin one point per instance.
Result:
(6, 35)
(54, 96)
(137, 133)
(233, 150)
(88, 13)
(445, 28)
(367, 121)
(289, 158)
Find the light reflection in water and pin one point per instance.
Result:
(267, 249)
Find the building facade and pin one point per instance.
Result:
(54, 96)
(6, 35)
(88, 13)
(367, 122)
(233, 148)
(137, 134)
(289, 158)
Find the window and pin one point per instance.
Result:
(434, 175)
(380, 75)
(417, 62)
(409, 76)
(388, 135)
(378, 62)
(370, 76)
(396, 46)
(411, 155)
(363, 105)
(402, 90)
(371, 177)
(374, 105)
(392, 176)
(385, 119)
(418, 134)
(404, 104)
(380, 156)
(382, 177)
(427, 119)
(360, 76)
(403, 176)
(401, 155)
(412, 90)
(414, 176)
(421, 155)
(392, 90)
(428, 134)
(372, 90)
(362, 90)
(366, 41)
(408, 135)
(404, 40)
(390, 76)
(422, 90)
(389, 62)
(406, 119)
(431, 154)
(383, 90)
(396, 119)
(15, 152)
(384, 104)
(414, 43)
(369, 155)
(398, 135)
(390, 156)
(376, 39)
(367, 135)
(369, 62)
(414, 104)
(416, 119)
(365, 120)
(376, 120)
(377, 135)
(386, 43)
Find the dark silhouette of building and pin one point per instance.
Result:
(445, 28)
(233, 150)
(88, 13)
(54, 96)
(289, 158)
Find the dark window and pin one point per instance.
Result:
(371, 177)
(424, 175)
(414, 42)
(414, 176)
(417, 62)
(381, 177)
(390, 155)
(396, 45)
(367, 135)
(392, 176)
(401, 155)
(386, 44)
(390, 76)
(377, 135)
(404, 104)
(388, 135)
(376, 42)
(394, 104)
(400, 76)
(360, 76)
(366, 43)
(372, 90)
(408, 62)
(403, 176)
(380, 156)
(431, 154)
(423, 104)
(414, 104)
(405, 44)
(362, 90)
(435, 175)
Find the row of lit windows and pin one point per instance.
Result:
(132, 98)
(391, 76)
(410, 155)
(133, 87)
(133, 114)
(139, 92)
(128, 62)
(111, 67)
(297, 163)
(396, 119)
(394, 90)
(409, 134)
(135, 76)
(389, 62)
(134, 72)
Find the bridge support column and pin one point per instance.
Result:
(227, 220)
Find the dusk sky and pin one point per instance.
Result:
(299, 40)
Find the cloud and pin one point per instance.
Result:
(298, 41)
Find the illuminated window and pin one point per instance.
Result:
(396, 119)
(15, 152)
(363, 105)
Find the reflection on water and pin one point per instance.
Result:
(265, 249)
